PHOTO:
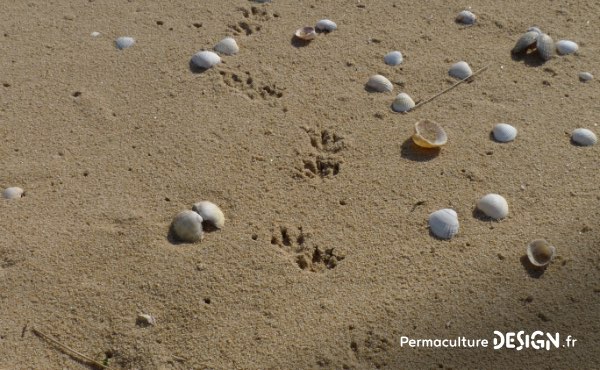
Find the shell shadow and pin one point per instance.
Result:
(195, 69)
(481, 216)
(298, 42)
(411, 151)
(532, 59)
(533, 271)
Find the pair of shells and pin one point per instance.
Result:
(584, 137)
(187, 225)
(534, 38)
(13, 192)
(310, 33)
(429, 134)
(207, 59)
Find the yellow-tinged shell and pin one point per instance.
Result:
(306, 33)
(540, 252)
(429, 134)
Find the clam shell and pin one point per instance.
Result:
(540, 252)
(565, 47)
(525, 41)
(584, 137)
(187, 226)
(585, 76)
(444, 223)
(494, 206)
(403, 103)
(306, 33)
(534, 29)
(206, 59)
(393, 58)
(545, 46)
(380, 84)
(124, 42)
(504, 132)
(326, 25)
(227, 46)
(460, 70)
(429, 134)
(12, 193)
(466, 17)
(210, 212)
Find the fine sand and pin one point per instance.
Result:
(325, 260)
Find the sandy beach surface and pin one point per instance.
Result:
(326, 260)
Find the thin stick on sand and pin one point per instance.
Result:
(451, 87)
(68, 349)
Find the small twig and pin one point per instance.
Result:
(451, 87)
(68, 349)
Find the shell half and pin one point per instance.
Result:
(306, 33)
(187, 226)
(460, 70)
(393, 58)
(227, 46)
(540, 252)
(526, 41)
(444, 223)
(466, 17)
(124, 42)
(504, 132)
(379, 83)
(545, 46)
(494, 206)
(210, 212)
(403, 103)
(584, 137)
(429, 134)
(565, 47)
(326, 25)
(206, 59)
(585, 76)
(13, 192)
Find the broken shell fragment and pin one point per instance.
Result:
(124, 42)
(379, 83)
(460, 70)
(227, 46)
(545, 46)
(393, 58)
(145, 320)
(466, 17)
(526, 41)
(444, 223)
(325, 25)
(565, 47)
(12, 193)
(403, 103)
(540, 252)
(504, 132)
(429, 134)
(494, 206)
(187, 226)
(306, 33)
(206, 59)
(210, 212)
(583, 137)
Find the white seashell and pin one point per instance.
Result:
(429, 134)
(306, 33)
(95, 34)
(206, 59)
(210, 212)
(145, 320)
(227, 46)
(540, 252)
(460, 70)
(403, 103)
(526, 41)
(444, 223)
(380, 84)
(12, 193)
(545, 46)
(534, 29)
(124, 42)
(584, 137)
(585, 76)
(466, 17)
(504, 132)
(393, 58)
(565, 47)
(494, 206)
(187, 226)
(325, 25)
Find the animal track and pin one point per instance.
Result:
(252, 22)
(326, 141)
(248, 86)
(325, 164)
(321, 166)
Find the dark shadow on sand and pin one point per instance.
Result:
(531, 58)
(207, 227)
(298, 42)
(411, 151)
(195, 69)
(533, 271)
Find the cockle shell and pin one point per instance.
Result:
(124, 42)
(504, 132)
(526, 41)
(227, 46)
(444, 223)
(206, 59)
(393, 58)
(210, 212)
(545, 46)
(584, 137)
(540, 252)
(380, 84)
(565, 47)
(403, 103)
(429, 134)
(460, 70)
(187, 226)
(326, 25)
(494, 206)
(13, 192)
(306, 33)
(466, 17)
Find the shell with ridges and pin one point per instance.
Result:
(124, 42)
(429, 134)
(13, 192)
(306, 33)
(326, 25)
(466, 17)
(403, 103)
(206, 59)
(460, 70)
(187, 226)
(565, 47)
(504, 132)
(584, 137)
(393, 58)
(380, 84)
(545, 46)
(210, 212)
(494, 206)
(540, 252)
(227, 46)
(525, 41)
(444, 223)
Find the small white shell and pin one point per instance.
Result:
(540, 252)
(124, 42)
(145, 320)
(504, 132)
(306, 33)
(95, 34)
(460, 70)
(12, 193)
(380, 84)
(227, 46)
(466, 17)
(403, 103)
(565, 47)
(584, 137)
(210, 212)
(444, 223)
(585, 76)
(206, 59)
(545, 46)
(393, 58)
(187, 226)
(494, 206)
(326, 25)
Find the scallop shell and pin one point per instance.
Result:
(12, 193)
(403, 103)
(187, 226)
(124, 42)
(585, 76)
(306, 33)
(565, 47)
(494, 206)
(206, 59)
(210, 212)
(466, 17)
(545, 46)
(540, 252)
(444, 223)
(429, 134)
(380, 84)
(460, 70)
(526, 41)
(393, 58)
(584, 137)
(504, 132)
(227, 46)
(326, 25)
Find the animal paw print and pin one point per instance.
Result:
(251, 24)
(321, 166)
(246, 84)
(326, 141)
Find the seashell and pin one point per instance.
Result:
(95, 34)
(540, 252)
(124, 42)
(325, 25)
(206, 59)
(12, 193)
(504, 132)
(494, 206)
(393, 58)
(403, 103)
(227, 46)
(444, 223)
(429, 134)
(145, 320)
(585, 76)
(466, 17)
(534, 29)
(187, 226)
(545, 46)
(380, 84)
(526, 41)
(306, 33)
(460, 70)
(210, 212)
(565, 47)
(584, 137)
